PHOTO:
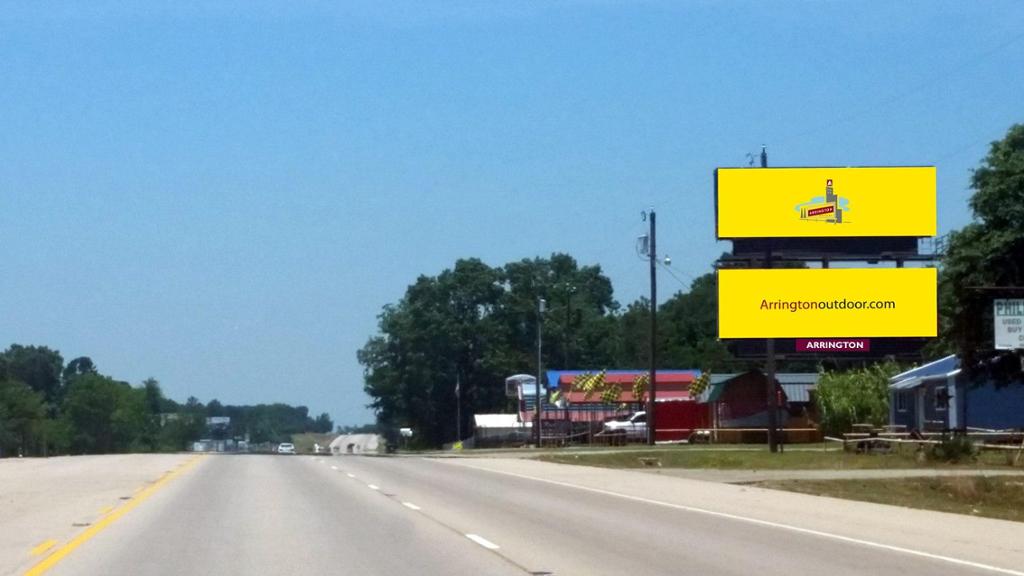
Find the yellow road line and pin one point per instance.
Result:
(43, 547)
(59, 554)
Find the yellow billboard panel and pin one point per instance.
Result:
(816, 202)
(829, 302)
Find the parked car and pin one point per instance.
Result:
(675, 421)
(286, 448)
(633, 428)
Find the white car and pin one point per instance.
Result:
(286, 448)
(633, 428)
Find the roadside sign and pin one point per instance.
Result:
(908, 347)
(827, 303)
(825, 202)
(833, 345)
(1009, 323)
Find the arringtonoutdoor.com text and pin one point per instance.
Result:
(795, 305)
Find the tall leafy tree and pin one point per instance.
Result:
(475, 324)
(37, 366)
(436, 335)
(987, 256)
(579, 324)
(22, 417)
(77, 367)
(105, 415)
(688, 329)
(214, 408)
(323, 423)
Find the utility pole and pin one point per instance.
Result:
(769, 348)
(540, 365)
(653, 380)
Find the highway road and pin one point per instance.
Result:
(395, 516)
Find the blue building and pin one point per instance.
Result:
(939, 396)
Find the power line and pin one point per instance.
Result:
(962, 149)
(918, 87)
(673, 274)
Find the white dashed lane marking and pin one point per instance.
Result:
(483, 541)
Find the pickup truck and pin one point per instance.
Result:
(633, 428)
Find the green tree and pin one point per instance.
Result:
(688, 327)
(476, 324)
(37, 366)
(156, 403)
(105, 415)
(854, 396)
(214, 408)
(987, 254)
(634, 334)
(22, 417)
(77, 367)
(88, 408)
(579, 324)
(132, 426)
(323, 424)
(687, 331)
(358, 429)
(179, 429)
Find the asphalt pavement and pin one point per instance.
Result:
(416, 516)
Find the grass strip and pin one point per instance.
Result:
(988, 496)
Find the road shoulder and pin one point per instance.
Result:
(971, 540)
(48, 502)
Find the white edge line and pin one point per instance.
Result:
(350, 475)
(373, 487)
(410, 506)
(334, 467)
(483, 541)
(759, 522)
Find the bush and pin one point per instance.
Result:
(955, 448)
(854, 397)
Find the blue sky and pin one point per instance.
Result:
(222, 195)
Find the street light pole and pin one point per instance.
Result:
(540, 366)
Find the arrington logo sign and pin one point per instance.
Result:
(833, 345)
(828, 208)
(857, 202)
(827, 303)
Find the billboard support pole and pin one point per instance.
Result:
(769, 345)
(772, 402)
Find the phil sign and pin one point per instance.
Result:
(1009, 329)
(825, 202)
(827, 302)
